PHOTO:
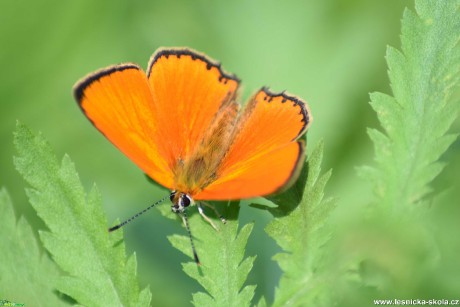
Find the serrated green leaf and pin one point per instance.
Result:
(301, 234)
(423, 77)
(97, 271)
(224, 270)
(392, 252)
(262, 302)
(26, 277)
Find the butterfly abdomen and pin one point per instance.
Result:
(199, 170)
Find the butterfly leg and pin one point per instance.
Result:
(222, 219)
(200, 210)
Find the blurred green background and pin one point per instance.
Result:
(330, 53)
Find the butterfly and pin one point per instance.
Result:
(182, 124)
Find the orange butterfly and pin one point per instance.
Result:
(180, 123)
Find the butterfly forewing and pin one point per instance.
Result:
(264, 156)
(118, 101)
(188, 90)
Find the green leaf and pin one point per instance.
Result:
(424, 75)
(392, 250)
(224, 270)
(262, 302)
(26, 277)
(301, 234)
(97, 271)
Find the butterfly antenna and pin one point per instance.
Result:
(138, 214)
(195, 255)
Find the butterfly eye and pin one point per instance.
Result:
(186, 200)
(172, 195)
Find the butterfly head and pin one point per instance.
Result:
(180, 201)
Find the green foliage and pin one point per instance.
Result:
(394, 249)
(224, 269)
(301, 234)
(97, 271)
(26, 277)
(423, 78)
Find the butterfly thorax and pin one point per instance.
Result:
(194, 173)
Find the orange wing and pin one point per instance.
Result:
(157, 121)
(265, 156)
(118, 101)
(188, 89)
